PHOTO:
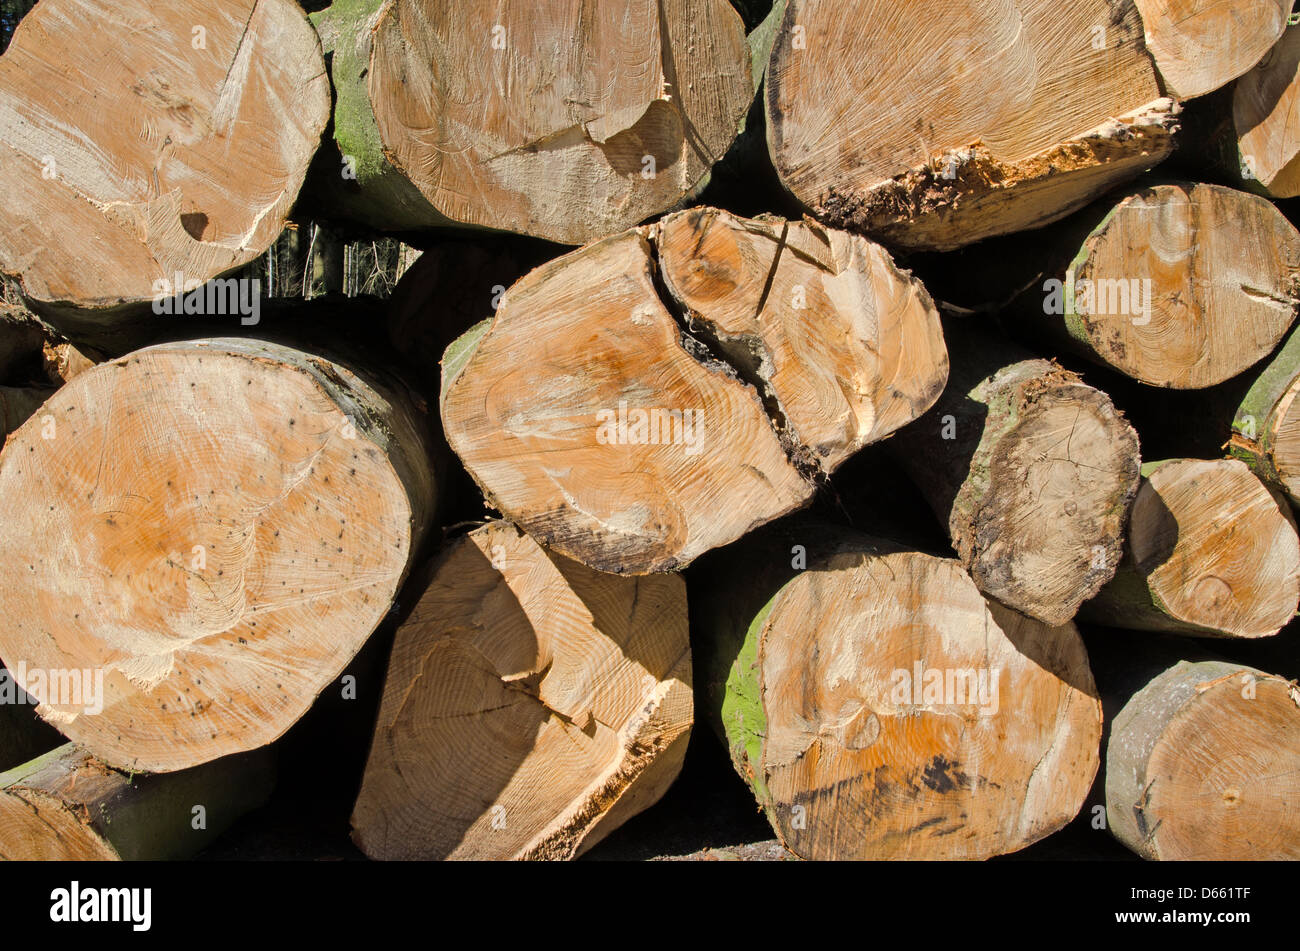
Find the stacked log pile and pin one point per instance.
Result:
(847, 380)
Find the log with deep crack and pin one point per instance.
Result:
(661, 392)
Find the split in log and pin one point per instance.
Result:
(201, 537)
(1177, 285)
(880, 707)
(532, 705)
(1210, 551)
(67, 806)
(149, 140)
(1200, 762)
(1030, 110)
(659, 393)
(570, 126)
(1032, 471)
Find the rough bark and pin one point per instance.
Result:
(213, 528)
(532, 705)
(1032, 471)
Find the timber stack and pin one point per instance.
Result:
(860, 382)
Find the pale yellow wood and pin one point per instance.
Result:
(532, 705)
(1200, 45)
(849, 347)
(1203, 764)
(1264, 108)
(542, 403)
(206, 533)
(927, 123)
(142, 140)
(569, 120)
(1187, 285)
(885, 766)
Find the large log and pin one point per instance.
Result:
(68, 806)
(206, 532)
(532, 705)
(879, 707)
(1175, 284)
(659, 393)
(1031, 470)
(1210, 551)
(932, 128)
(150, 141)
(1200, 764)
(569, 124)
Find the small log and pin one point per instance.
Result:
(931, 130)
(1031, 470)
(532, 705)
(178, 149)
(570, 126)
(69, 806)
(1201, 45)
(1199, 765)
(243, 514)
(1211, 551)
(879, 707)
(592, 417)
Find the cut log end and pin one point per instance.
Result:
(1201, 764)
(1201, 45)
(1185, 286)
(1019, 129)
(181, 151)
(660, 393)
(881, 708)
(1213, 551)
(532, 705)
(202, 536)
(627, 108)
(1264, 103)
